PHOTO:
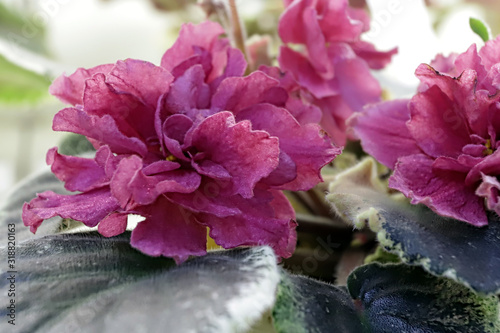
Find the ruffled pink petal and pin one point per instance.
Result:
(291, 24)
(355, 82)
(382, 130)
(470, 60)
(261, 222)
(188, 92)
(490, 190)
(69, 89)
(375, 59)
(237, 93)
(336, 22)
(445, 64)
(461, 91)
(304, 73)
(132, 117)
(103, 129)
(437, 125)
(89, 207)
(202, 35)
(213, 196)
(489, 53)
(335, 114)
(77, 173)
(130, 183)
(443, 192)
(490, 165)
(170, 231)
(305, 145)
(233, 64)
(141, 79)
(113, 224)
(246, 154)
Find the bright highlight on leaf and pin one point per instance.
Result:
(480, 28)
(19, 85)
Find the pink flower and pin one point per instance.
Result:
(334, 66)
(189, 145)
(443, 143)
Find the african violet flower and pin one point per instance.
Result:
(443, 143)
(333, 69)
(188, 145)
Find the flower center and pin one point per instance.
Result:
(171, 158)
(488, 150)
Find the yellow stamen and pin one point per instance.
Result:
(171, 158)
(488, 150)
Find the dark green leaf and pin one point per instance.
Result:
(75, 144)
(306, 305)
(419, 236)
(480, 28)
(400, 298)
(88, 283)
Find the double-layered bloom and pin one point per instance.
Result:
(443, 143)
(189, 145)
(333, 66)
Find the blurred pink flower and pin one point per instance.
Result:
(188, 145)
(443, 143)
(333, 67)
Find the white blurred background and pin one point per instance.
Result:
(52, 37)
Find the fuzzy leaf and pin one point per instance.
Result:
(400, 298)
(88, 283)
(306, 305)
(443, 246)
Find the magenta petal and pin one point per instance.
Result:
(335, 114)
(444, 192)
(170, 231)
(103, 129)
(89, 207)
(337, 24)
(188, 92)
(489, 53)
(383, 133)
(375, 59)
(141, 79)
(357, 86)
(246, 154)
(315, 41)
(490, 165)
(130, 183)
(79, 174)
(236, 66)
(132, 117)
(237, 93)
(462, 92)
(259, 224)
(202, 35)
(304, 73)
(210, 169)
(69, 89)
(210, 197)
(113, 224)
(436, 125)
(174, 133)
(490, 190)
(305, 145)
